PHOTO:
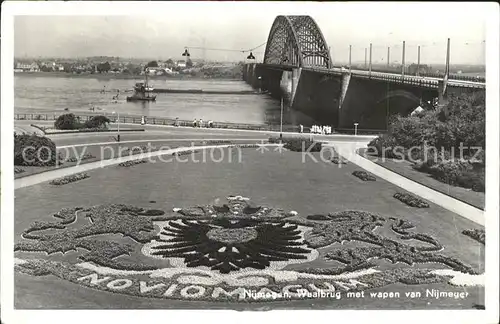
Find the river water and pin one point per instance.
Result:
(40, 94)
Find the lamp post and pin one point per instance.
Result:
(281, 119)
(370, 67)
(350, 52)
(186, 54)
(118, 125)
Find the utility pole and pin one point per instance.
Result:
(388, 56)
(204, 50)
(403, 61)
(418, 61)
(350, 52)
(370, 68)
(365, 58)
(447, 71)
(330, 63)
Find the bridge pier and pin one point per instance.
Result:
(340, 99)
(317, 95)
(370, 103)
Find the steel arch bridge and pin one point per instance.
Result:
(297, 41)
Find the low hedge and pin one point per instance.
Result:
(34, 150)
(213, 142)
(131, 163)
(363, 175)
(69, 179)
(297, 144)
(477, 234)
(188, 152)
(86, 156)
(338, 160)
(411, 200)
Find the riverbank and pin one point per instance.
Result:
(118, 76)
(200, 91)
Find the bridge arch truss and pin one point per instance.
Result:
(297, 41)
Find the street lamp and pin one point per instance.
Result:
(251, 57)
(118, 118)
(281, 119)
(186, 53)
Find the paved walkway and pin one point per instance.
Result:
(63, 172)
(348, 151)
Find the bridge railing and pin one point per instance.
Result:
(419, 82)
(452, 76)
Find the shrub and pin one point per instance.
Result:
(67, 121)
(450, 171)
(97, 122)
(33, 150)
(407, 131)
(411, 200)
(386, 146)
(472, 179)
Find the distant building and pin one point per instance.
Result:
(21, 67)
(181, 64)
(422, 69)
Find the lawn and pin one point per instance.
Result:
(279, 181)
(404, 168)
(97, 153)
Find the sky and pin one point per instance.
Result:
(162, 30)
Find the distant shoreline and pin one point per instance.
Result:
(110, 76)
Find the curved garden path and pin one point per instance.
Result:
(345, 145)
(349, 152)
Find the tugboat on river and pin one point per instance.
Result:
(142, 91)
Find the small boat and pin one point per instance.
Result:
(141, 86)
(142, 91)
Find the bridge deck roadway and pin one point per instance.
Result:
(432, 81)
